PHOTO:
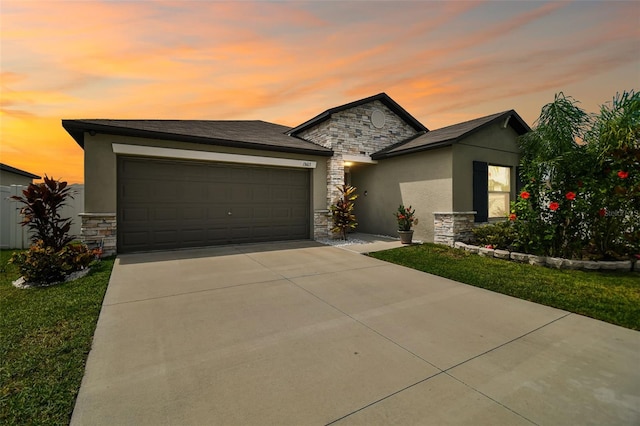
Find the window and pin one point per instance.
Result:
(499, 186)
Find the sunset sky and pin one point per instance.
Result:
(285, 62)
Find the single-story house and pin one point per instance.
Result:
(12, 176)
(166, 184)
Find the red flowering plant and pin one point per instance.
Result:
(581, 199)
(405, 217)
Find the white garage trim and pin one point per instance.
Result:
(151, 151)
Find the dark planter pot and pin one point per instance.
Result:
(406, 236)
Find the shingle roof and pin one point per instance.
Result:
(451, 134)
(254, 134)
(382, 97)
(7, 168)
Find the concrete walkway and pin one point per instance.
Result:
(303, 334)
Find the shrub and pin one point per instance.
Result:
(43, 265)
(500, 235)
(42, 204)
(581, 176)
(342, 211)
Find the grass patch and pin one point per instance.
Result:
(613, 297)
(45, 337)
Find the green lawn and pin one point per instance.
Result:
(45, 337)
(613, 297)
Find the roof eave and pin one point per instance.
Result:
(11, 169)
(77, 131)
(435, 145)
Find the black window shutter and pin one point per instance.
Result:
(481, 190)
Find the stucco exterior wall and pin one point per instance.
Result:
(101, 168)
(494, 145)
(9, 178)
(422, 180)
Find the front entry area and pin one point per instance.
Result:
(168, 204)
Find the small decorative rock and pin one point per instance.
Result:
(537, 260)
(501, 254)
(485, 252)
(555, 262)
(519, 257)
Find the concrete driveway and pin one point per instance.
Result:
(304, 334)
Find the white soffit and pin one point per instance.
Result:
(358, 159)
(184, 154)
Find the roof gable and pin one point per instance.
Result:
(382, 97)
(251, 134)
(451, 134)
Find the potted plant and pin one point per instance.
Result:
(406, 219)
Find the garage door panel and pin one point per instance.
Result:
(164, 204)
(194, 212)
(140, 214)
(193, 190)
(165, 213)
(136, 238)
(165, 236)
(280, 194)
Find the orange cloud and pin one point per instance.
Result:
(287, 61)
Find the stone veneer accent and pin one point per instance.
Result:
(99, 229)
(351, 132)
(321, 224)
(450, 227)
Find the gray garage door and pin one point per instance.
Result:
(167, 204)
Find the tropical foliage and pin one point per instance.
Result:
(581, 176)
(42, 204)
(41, 264)
(51, 257)
(342, 211)
(405, 217)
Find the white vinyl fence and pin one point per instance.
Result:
(15, 236)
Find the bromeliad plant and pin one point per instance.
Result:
(405, 217)
(342, 211)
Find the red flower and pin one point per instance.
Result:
(512, 217)
(525, 195)
(602, 212)
(489, 246)
(622, 174)
(554, 206)
(580, 184)
(571, 195)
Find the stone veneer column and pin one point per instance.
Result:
(321, 223)
(449, 227)
(335, 179)
(99, 229)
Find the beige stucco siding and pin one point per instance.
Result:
(101, 168)
(494, 145)
(422, 180)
